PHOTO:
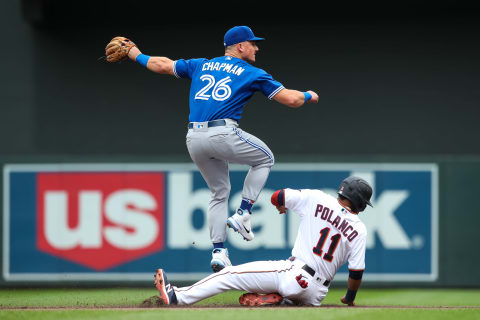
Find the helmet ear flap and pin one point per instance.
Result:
(347, 192)
(363, 206)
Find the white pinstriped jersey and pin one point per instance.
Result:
(329, 235)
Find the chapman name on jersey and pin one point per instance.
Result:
(225, 67)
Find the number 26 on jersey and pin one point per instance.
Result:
(220, 92)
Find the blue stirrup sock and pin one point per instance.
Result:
(218, 245)
(246, 204)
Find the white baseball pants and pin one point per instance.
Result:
(258, 277)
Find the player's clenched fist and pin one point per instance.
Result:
(314, 97)
(281, 209)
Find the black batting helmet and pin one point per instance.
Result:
(358, 191)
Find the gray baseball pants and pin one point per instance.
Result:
(212, 149)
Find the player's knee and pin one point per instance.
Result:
(267, 163)
(272, 161)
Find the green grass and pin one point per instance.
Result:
(133, 297)
(410, 297)
(79, 298)
(250, 314)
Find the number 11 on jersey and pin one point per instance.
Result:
(335, 239)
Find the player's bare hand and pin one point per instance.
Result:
(282, 209)
(345, 301)
(314, 97)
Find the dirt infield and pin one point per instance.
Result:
(233, 306)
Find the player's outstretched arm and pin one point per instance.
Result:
(295, 98)
(160, 65)
(354, 282)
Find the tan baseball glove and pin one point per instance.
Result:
(117, 49)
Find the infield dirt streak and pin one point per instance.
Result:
(238, 307)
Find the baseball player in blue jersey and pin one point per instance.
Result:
(220, 88)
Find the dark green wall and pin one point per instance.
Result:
(459, 222)
(390, 82)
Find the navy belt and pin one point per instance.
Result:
(311, 272)
(213, 123)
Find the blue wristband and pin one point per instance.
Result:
(308, 96)
(142, 59)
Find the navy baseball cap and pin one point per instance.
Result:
(239, 34)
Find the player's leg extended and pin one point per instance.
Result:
(257, 277)
(215, 174)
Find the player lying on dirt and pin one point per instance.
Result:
(329, 235)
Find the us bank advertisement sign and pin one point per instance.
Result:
(120, 222)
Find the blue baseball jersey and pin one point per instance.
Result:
(221, 86)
